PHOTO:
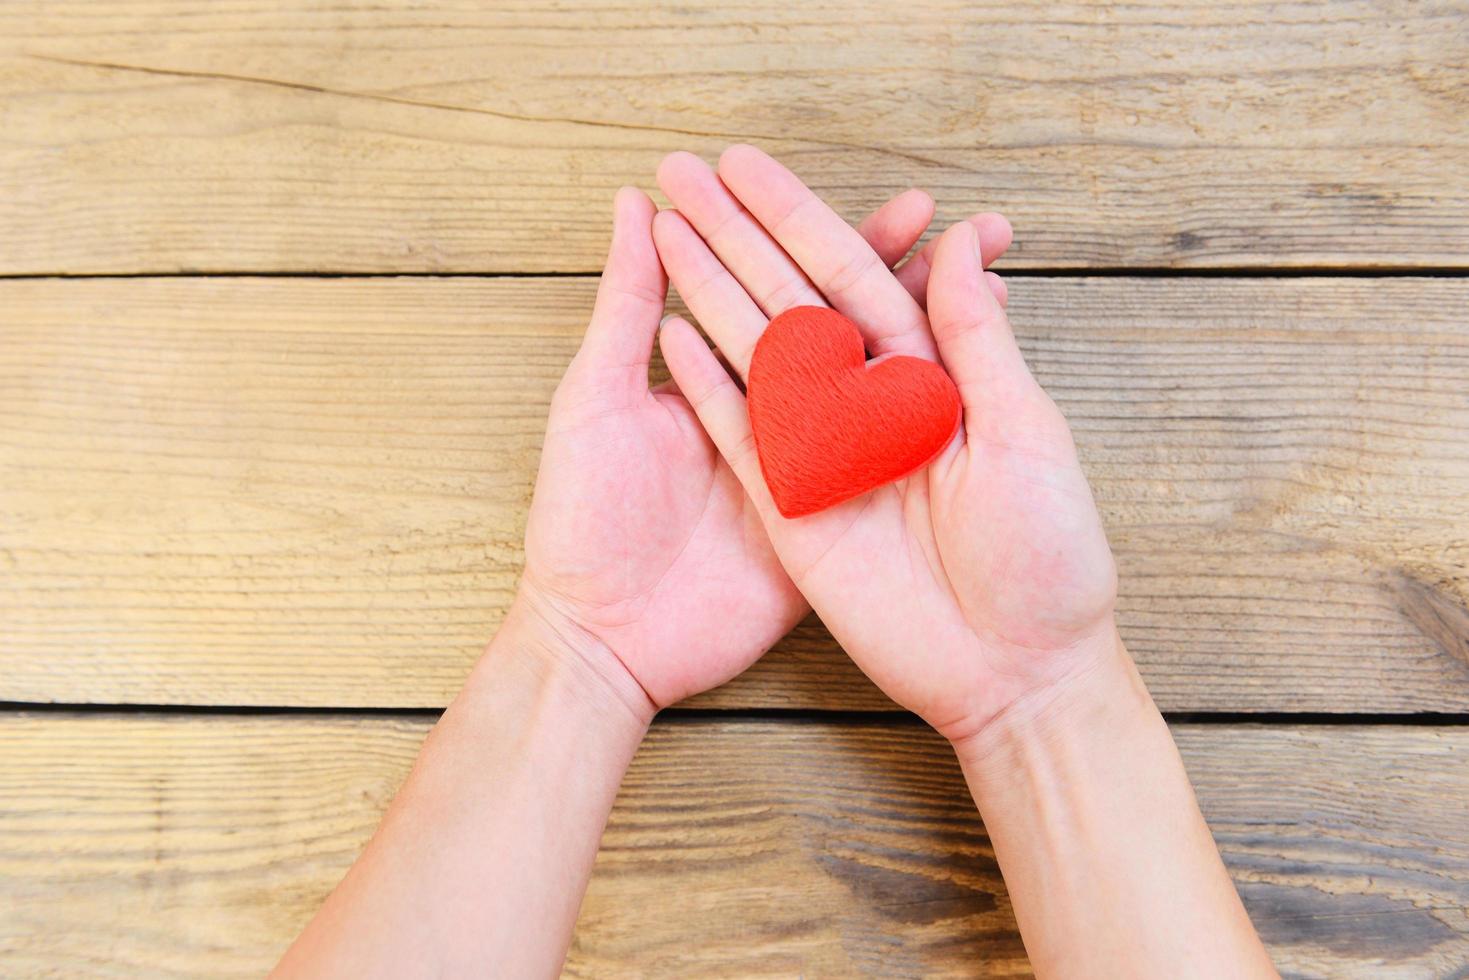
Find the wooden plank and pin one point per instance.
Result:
(198, 846)
(262, 135)
(312, 492)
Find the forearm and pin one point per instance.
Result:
(480, 864)
(1109, 864)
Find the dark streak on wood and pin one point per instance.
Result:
(1437, 613)
(739, 847)
(1351, 926)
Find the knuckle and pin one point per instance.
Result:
(792, 216)
(961, 325)
(791, 292)
(637, 291)
(729, 221)
(702, 398)
(852, 270)
(743, 451)
(715, 278)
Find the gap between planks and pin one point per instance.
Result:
(1098, 272)
(680, 715)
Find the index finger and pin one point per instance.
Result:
(831, 252)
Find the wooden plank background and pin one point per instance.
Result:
(267, 135)
(240, 466)
(312, 491)
(199, 845)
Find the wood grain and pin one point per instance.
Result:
(198, 846)
(262, 135)
(312, 492)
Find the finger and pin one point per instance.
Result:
(895, 227)
(973, 335)
(619, 339)
(719, 404)
(995, 235)
(712, 295)
(767, 274)
(838, 261)
(998, 287)
(715, 297)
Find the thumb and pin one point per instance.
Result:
(970, 327)
(619, 340)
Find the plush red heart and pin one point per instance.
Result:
(828, 427)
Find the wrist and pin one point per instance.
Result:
(1102, 700)
(1094, 824)
(541, 642)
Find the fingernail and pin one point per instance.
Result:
(666, 317)
(974, 240)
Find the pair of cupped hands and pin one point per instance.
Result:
(654, 553)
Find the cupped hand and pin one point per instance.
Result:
(642, 548)
(968, 587)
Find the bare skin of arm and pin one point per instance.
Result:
(480, 864)
(1110, 866)
(648, 578)
(978, 593)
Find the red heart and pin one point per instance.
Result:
(827, 426)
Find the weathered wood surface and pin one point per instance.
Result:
(312, 492)
(262, 135)
(198, 846)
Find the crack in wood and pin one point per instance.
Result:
(494, 113)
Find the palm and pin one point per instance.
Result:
(993, 555)
(995, 550)
(647, 536)
(640, 534)
(1020, 533)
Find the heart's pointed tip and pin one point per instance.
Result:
(791, 510)
(792, 513)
